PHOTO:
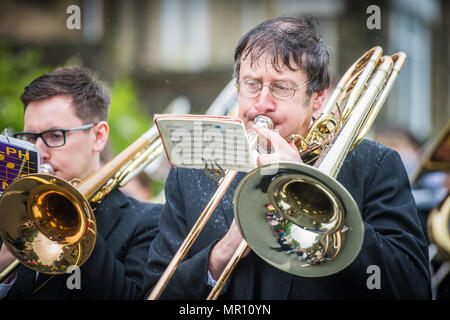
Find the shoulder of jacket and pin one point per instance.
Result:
(369, 148)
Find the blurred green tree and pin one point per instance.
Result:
(127, 119)
(17, 70)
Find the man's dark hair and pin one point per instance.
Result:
(286, 38)
(90, 98)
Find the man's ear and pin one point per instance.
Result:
(100, 135)
(318, 100)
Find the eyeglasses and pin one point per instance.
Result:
(281, 90)
(52, 138)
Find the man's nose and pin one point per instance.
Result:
(42, 148)
(265, 102)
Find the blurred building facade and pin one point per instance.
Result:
(185, 47)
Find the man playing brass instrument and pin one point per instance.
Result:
(281, 67)
(65, 113)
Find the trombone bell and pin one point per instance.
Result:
(47, 223)
(305, 202)
(438, 227)
(283, 243)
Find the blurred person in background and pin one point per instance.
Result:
(429, 188)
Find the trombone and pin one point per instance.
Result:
(224, 183)
(313, 226)
(59, 216)
(48, 224)
(438, 227)
(345, 128)
(437, 158)
(436, 155)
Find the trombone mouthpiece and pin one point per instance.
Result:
(257, 143)
(264, 122)
(45, 168)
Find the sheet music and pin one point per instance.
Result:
(17, 158)
(196, 141)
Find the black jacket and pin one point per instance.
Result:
(114, 270)
(393, 239)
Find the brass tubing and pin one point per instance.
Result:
(192, 236)
(9, 270)
(92, 184)
(379, 88)
(218, 287)
(224, 183)
(88, 188)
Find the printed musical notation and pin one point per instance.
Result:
(15, 160)
(200, 141)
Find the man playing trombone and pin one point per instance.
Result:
(281, 71)
(65, 114)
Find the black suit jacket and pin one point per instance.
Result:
(125, 229)
(393, 238)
